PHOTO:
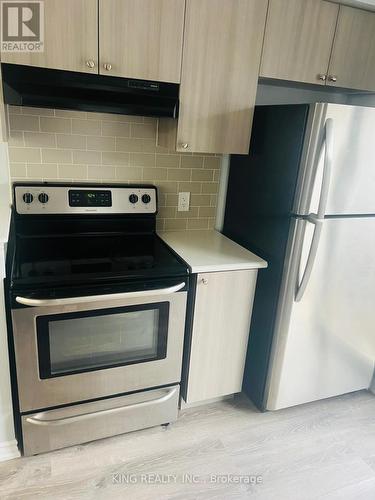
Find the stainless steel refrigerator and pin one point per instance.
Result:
(304, 200)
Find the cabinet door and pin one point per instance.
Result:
(298, 40)
(221, 325)
(353, 56)
(70, 38)
(222, 48)
(141, 38)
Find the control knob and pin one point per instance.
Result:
(43, 198)
(146, 198)
(28, 198)
(133, 198)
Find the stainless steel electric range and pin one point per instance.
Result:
(96, 307)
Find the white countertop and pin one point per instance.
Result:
(209, 251)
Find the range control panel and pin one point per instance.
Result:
(84, 198)
(39, 199)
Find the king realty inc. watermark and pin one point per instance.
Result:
(157, 478)
(22, 26)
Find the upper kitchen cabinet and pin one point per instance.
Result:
(353, 56)
(298, 40)
(141, 38)
(70, 38)
(222, 49)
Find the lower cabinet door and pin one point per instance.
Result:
(222, 315)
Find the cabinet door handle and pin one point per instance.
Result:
(185, 145)
(205, 281)
(107, 66)
(332, 78)
(90, 63)
(322, 77)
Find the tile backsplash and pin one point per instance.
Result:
(57, 145)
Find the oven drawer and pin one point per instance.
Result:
(54, 429)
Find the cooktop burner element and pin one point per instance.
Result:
(60, 241)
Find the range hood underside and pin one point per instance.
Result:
(29, 86)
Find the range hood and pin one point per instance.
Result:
(50, 88)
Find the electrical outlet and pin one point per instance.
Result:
(183, 202)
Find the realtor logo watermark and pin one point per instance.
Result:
(22, 26)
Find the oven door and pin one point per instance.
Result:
(84, 347)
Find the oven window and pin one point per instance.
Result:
(92, 340)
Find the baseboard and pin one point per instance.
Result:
(9, 450)
(184, 406)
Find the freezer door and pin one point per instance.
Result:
(352, 179)
(324, 341)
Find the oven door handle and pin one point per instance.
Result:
(26, 301)
(37, 420)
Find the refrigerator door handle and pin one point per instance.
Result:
(327, 169)
(317, 220)
(302, 285)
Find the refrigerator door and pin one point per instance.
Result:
(352, 181)
(325, 333)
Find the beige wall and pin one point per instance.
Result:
(55, 145)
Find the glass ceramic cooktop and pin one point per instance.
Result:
(69, 257)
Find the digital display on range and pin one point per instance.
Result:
(86, 198)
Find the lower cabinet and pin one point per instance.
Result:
(219, 335)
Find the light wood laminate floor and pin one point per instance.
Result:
(323, 450)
